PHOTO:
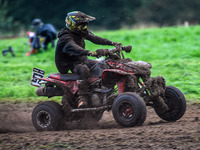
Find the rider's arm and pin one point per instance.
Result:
(98, 40)
(73, 49)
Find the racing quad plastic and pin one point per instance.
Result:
(47, 116)
(129, 109)
(176, 102)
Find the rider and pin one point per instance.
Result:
(70, 50)
(45, 30)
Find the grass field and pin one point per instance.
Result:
(173, 52)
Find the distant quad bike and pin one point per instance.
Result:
(118, 84)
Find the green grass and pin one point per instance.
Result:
(173, 52)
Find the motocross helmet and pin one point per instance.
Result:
(37, 23)
(77, 21)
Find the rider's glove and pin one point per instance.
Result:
(93, 53)
(116, 44)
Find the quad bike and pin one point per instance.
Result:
(118, 84)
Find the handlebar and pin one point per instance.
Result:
(119, 50)
(115, 53)
(127, 49)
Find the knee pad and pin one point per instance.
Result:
(82, 70)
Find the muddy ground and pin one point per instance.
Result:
(17, 132)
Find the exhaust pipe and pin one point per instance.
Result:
(49, 91)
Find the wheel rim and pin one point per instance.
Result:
(43, 119)
(126, 111)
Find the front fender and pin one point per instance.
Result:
(112, 76)
(116, 71)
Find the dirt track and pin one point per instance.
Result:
(17, 132)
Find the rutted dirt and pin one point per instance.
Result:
(17, 132)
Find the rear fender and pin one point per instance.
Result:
(71, 86)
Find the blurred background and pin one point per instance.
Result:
(173, 51)
(16, 16)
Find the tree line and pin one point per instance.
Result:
(110, 14)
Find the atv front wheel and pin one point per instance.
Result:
(129, 109)
(47, 116)
(176, 103)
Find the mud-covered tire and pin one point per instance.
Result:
(47, 116)
(129, 109)
(176, 102)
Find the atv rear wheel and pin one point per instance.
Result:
(47, 116)
(176, 102)
(129, 109)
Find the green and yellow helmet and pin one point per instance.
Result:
(78, 21)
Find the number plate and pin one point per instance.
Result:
(37, 73)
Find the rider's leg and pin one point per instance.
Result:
(84, 72)
(35, 43)
(34, 46)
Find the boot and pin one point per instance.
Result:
(33, 51)
(83, 94)
(82, 102)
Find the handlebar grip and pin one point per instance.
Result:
(127, 49)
